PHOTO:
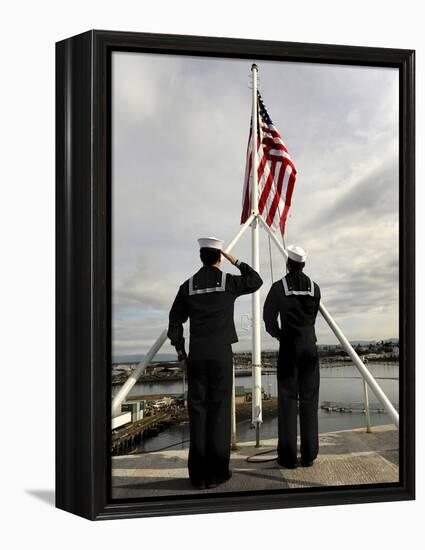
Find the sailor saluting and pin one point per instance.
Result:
(296, 299)
(207, 299)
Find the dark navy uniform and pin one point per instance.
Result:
(207, 299)
(296, 299)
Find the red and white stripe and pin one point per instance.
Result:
(276, 177)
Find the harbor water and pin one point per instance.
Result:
(339, 383)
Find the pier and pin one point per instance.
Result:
(348, 457)
(338, 406)
(125, 439)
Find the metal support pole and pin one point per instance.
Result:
(239, 233)
(256, 334)
(274, 238)
(374, 386)
(234, 441)
(256, 343)
(366, 406)
(134, 376)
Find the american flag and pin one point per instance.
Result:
(276, 174)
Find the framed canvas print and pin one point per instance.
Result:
(235, 274)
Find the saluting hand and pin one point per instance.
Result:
(229, 257)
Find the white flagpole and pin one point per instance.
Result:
(256, 335)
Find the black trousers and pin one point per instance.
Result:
(209, 394)
(298, 377)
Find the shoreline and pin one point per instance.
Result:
(244, 371)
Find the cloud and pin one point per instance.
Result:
(373, 195)
(180, 128)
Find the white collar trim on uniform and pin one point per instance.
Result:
(298, 292)
(220, 287)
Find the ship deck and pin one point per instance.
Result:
(348, 457)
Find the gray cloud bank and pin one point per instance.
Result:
(180, 129)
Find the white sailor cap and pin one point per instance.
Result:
(210, 242)
(296, 253)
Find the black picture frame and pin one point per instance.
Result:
(83, 271)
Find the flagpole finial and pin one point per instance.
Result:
(254, 66)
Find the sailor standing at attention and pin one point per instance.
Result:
(207, 299)
(295, 298)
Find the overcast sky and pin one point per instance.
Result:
(180, 130)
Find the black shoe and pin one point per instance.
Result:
(212, 484)
(307, 463)
(198, 484)
(288, 465)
